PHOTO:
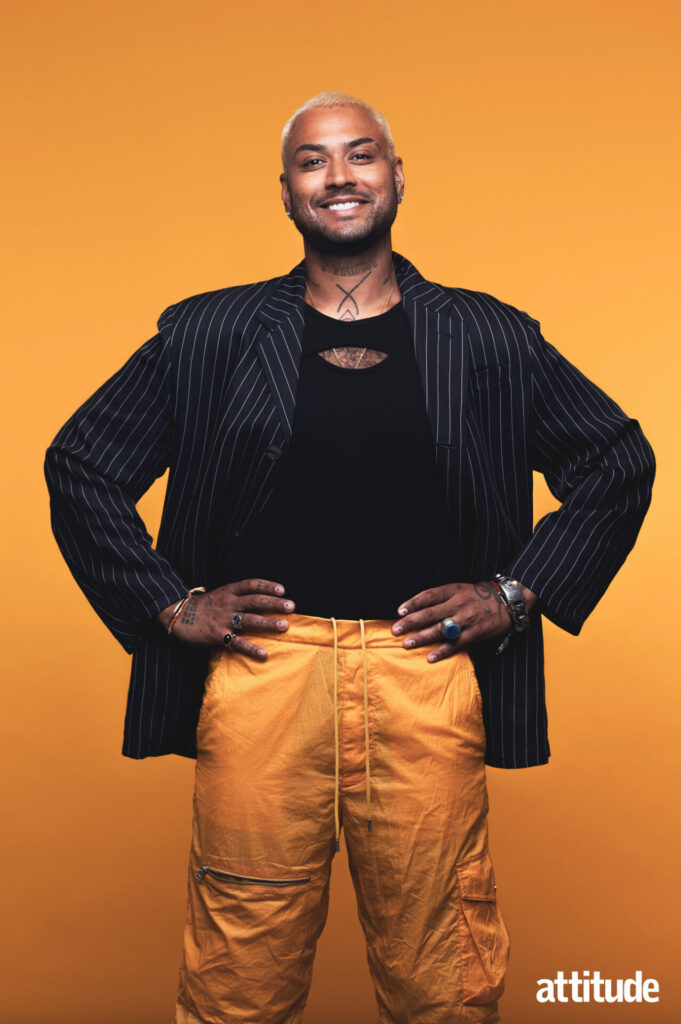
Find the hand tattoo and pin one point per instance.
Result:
(188, 613)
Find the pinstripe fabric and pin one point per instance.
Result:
(212, 396)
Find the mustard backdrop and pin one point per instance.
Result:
(541, 151)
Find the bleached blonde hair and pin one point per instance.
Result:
(336, 99)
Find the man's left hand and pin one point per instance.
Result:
(476, 607)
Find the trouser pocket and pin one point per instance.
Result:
(228, 876)
(483, 936)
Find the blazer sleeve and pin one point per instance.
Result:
(97, 467)
(600, 466)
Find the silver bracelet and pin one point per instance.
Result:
(511, 593)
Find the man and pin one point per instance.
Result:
(341, 616)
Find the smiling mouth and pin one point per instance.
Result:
(343, 204)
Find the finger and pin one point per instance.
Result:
(472, 634)
(445, 651)
(421, 619)
(251, 623)
(432, 635)
(264, 603)
(433, 595)
(244, 646)
(257, 586)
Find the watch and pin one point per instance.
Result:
(511, 593)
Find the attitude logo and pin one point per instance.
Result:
(592, 988)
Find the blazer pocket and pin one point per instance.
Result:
(483, 936)
(486, 378)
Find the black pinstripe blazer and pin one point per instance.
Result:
(212, 397)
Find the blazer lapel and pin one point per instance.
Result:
(441, 348)
(280, 344)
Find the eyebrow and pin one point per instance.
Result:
(322, 149)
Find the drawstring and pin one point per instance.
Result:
(335, 731)
(336, 794)
(366, 725)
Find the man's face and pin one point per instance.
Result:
(340, 183)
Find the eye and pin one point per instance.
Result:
(367, 156)
(313, 160)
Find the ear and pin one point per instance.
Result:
(285, 192)
(398, 174)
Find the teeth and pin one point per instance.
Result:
(342, 206)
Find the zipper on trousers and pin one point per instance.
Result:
(226, 876)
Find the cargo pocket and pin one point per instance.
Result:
(483, 937)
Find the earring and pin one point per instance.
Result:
(399, 199)
(288, 213)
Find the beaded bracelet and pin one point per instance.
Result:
(177, 610)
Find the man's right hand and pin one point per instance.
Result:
(206, 618)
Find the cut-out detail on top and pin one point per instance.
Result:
(349, 357)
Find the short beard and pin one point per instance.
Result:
(318, 240)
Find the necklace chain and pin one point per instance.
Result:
(361, 355)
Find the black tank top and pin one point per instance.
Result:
(357, 522)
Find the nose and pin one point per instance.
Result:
(339, 173)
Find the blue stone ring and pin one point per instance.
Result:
(450, 629)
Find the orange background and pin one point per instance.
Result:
(541, 150)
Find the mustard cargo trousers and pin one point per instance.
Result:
(341, 728)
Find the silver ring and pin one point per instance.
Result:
(228, 639)
(237, 620)
(450, 629)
